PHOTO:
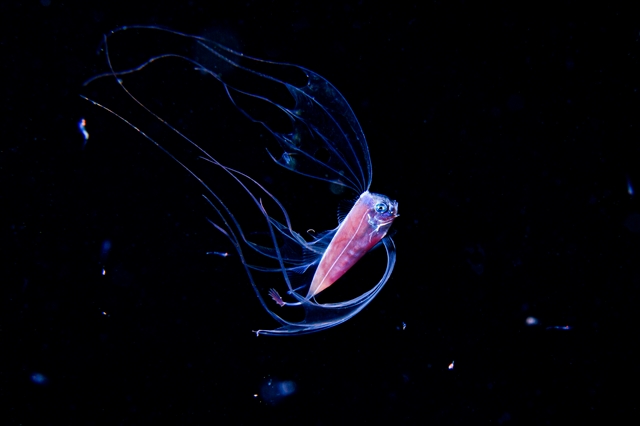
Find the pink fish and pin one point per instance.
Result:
(366, 224)
(323, 141)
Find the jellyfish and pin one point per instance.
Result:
(322, 140)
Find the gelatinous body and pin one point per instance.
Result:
(322, 139)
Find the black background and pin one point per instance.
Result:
(508, 135)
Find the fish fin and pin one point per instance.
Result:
(344, 207)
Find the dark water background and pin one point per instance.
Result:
(508, 135)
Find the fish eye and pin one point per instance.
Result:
(381, 207)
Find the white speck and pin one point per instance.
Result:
(531, 321)
(82, 126)
(217, 253)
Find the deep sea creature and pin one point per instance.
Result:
(322, 139)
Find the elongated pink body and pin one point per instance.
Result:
(365, 225)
